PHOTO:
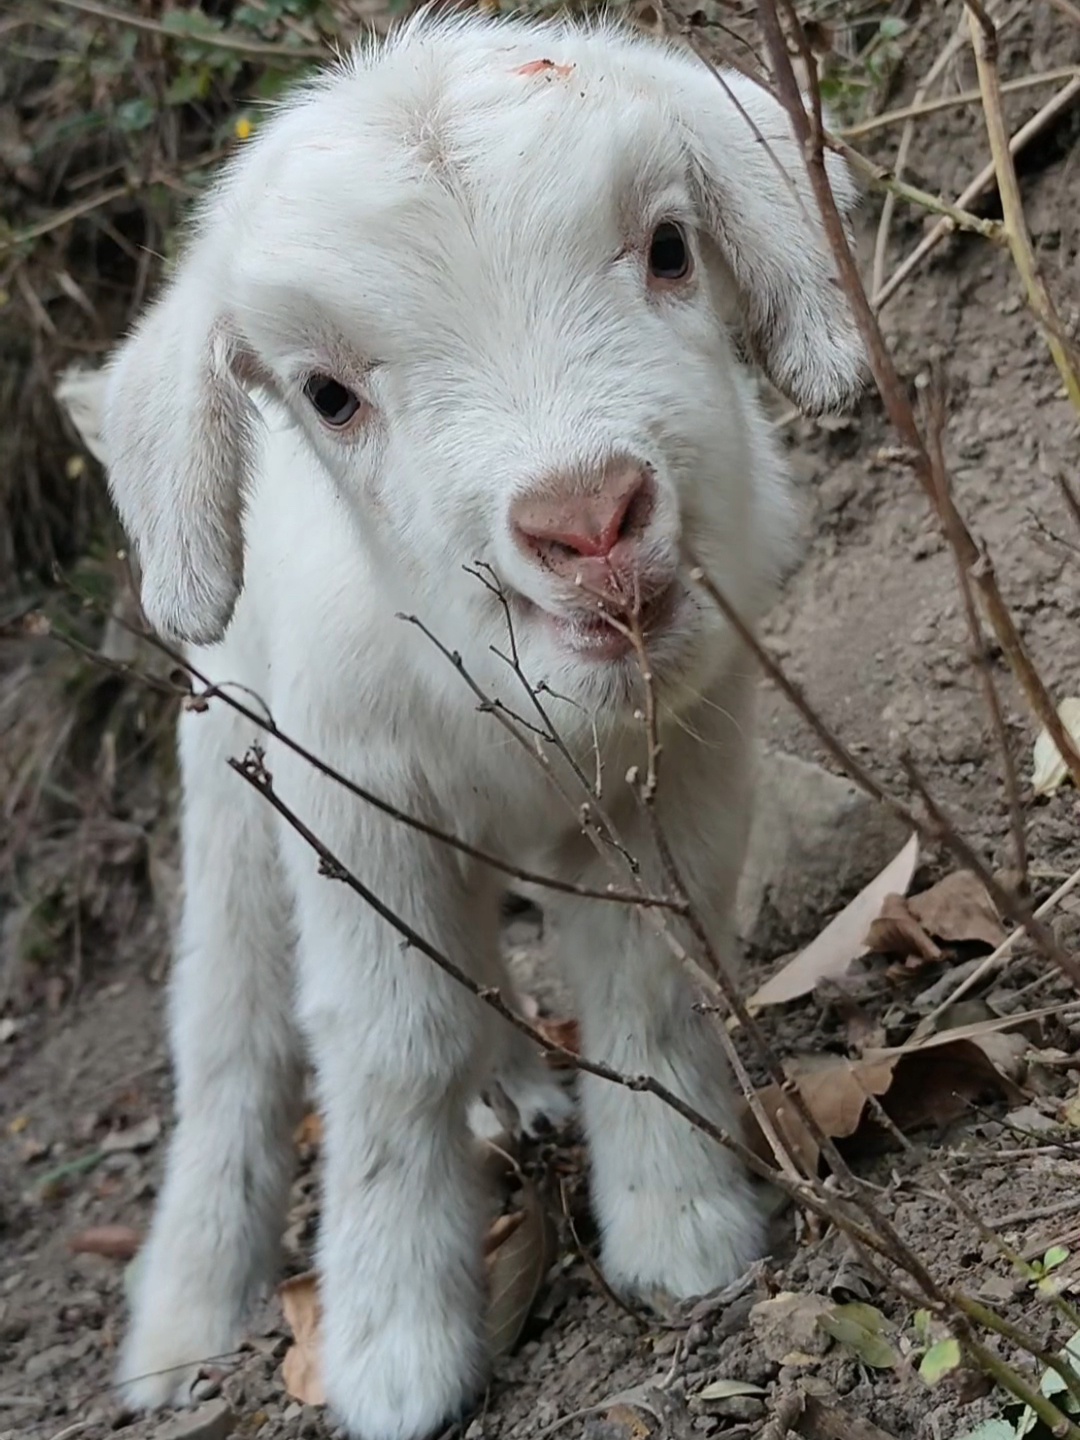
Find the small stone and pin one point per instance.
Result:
(47, 1362)
(696, 1336)
(213, 1421)
(743, 1407)
(814, 841)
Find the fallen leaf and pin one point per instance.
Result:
(516, 1266)
(940, 1360)
(118, 1242)
(843, 940)
(501, 1229)
(958, 909)
(928, 1081)
(860, 1328)
(896, 931)
(836, 1089)
(628, 1421)
(135, 1137)
(301, 1369)
(1049, 769)
(728, 1390)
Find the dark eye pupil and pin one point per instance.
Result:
(334, 402)
(669, 258)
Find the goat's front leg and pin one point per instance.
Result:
(677, 1214)
(396, 1046)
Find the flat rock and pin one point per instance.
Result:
(815, 840)
(212, 1421)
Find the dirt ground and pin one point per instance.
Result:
(871, 625)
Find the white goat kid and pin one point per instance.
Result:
(473, 296)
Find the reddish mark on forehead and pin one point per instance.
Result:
(545, 67)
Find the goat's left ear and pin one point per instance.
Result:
(759, 206)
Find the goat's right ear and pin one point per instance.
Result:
(179, 435)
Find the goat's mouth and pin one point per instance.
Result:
(608, 631)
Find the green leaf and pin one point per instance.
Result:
(193, 84)
(1056, 1255)
(190, 23)
(135, 114)
(859, 1327)
(940, 1360)
(728, 1390)
(892, 27)
(921, 1323)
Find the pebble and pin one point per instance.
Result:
(47, 1361)
(213, 1421)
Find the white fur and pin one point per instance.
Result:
(461, 241)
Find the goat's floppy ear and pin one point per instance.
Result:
(179, 436)
(760, 209)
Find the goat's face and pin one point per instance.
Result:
(496, 274)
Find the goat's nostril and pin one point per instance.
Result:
(569, 519)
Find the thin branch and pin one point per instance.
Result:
(985, 44)
(893, 393)
(979, 656)
(267, 724)
(942, 830)
(919, 108)
(101, 198)
(982, 182)
(894, 188)
(213, 39)
(935, 830)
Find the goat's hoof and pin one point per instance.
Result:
(406, 1384)
(660, 1247)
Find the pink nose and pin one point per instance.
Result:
(570, 518)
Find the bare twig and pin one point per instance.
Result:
(979, 656)
(941, 829)
(918, 108)
(982, 182)
(266, 723)
(213, 39)
(985, 44)
(881, 241)
(893, 394)
(1068, 494)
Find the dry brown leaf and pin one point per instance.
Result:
(516, 1268)
(958, 909)
(896, 931)
(118, 1242)
(501, 1228)
(926, 1082)
(836, 1089)
(135, 1137)
(1049, 769)
(302, 1367)
(843, 939)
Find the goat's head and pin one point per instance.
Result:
(497, 273)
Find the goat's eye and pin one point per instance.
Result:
(669, 254)
(335, 403)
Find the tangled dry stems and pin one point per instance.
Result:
(857, 1213)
